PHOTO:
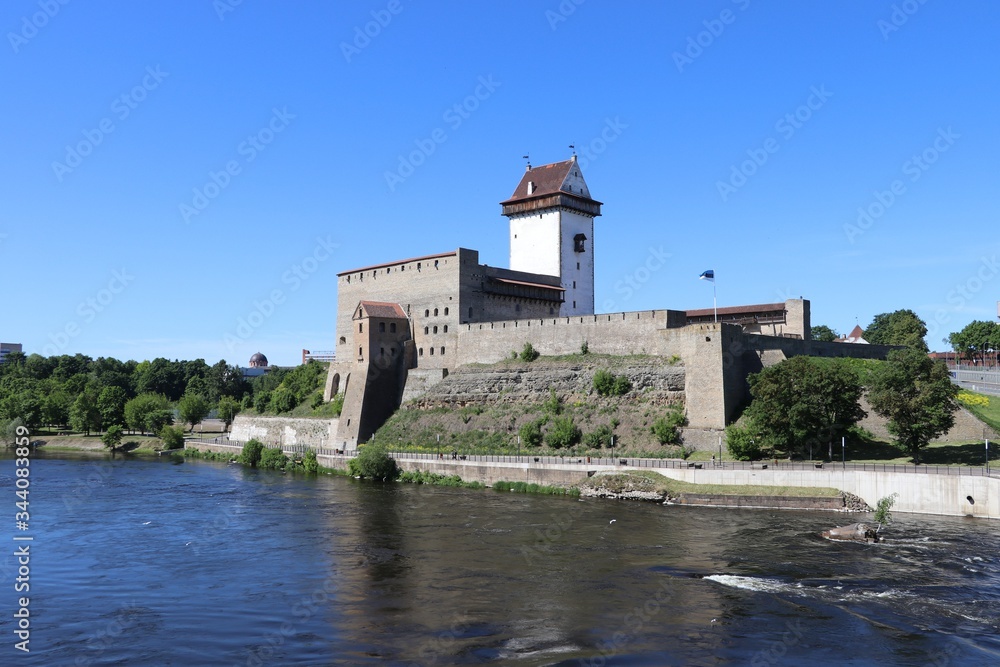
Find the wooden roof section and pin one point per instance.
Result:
(559, 184)
(380, 309)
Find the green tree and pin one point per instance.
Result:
(607, 383)
(172, 437)
(916, 395)
(56, 406)
(599, 437)
(250, 456)
(112, 437)
(744, 443)
(882, 514)
(823, 333)
(84, 414)
(900, 327)
(563, 433)
(227, 410)
(977, 340)
(272, 458)
(374, 462)
(193, 408)
(140, 409)
(111, 403)
(553, 405)
(803, 403)
(667, 428)
(309, 462)
(528, 352)
(531, 433)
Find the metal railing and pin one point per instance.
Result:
(633, 462)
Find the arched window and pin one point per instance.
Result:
(381, 327)
(343, 339)
(446, 312)
(427, 313)
(361, 352)
(446, 328)
(435, 329)
(361, 327)
(392, 327)
(442, 349)
(435, 263)
(578, 243)
(420, 352)
(435, 312)
(427, 330)
(432, 351)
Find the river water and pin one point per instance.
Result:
(140, 562)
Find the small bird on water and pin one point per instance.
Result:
(612, 521)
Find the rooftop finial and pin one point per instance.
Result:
(572, 148)
(529, 162)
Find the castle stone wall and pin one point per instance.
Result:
(285, 430)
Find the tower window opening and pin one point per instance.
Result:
(578, 266)
(432, 351)
(427, 313)
(442, 349)
(381, 326)
(361, 352)
(435, 312)
(361, 327)
(446, 328)
(435, 329)
(392, 327)
(420, 352)
(446, 312)
(435, 263)
(427, 330)
(578, 243)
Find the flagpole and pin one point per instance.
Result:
(715, 302)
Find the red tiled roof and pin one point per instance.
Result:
(548, 179)
(399, 261)
(383, 309)
(738, 310)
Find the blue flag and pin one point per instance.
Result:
(708, 275)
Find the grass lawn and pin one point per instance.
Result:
(989, 413)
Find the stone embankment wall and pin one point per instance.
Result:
(515, 382)
(966, 427)
(950, 495)
(285, 430)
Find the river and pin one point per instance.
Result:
(156, 562)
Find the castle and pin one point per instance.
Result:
(403, 325)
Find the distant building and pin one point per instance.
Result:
(7, 348)
(258, 360)
(857, 336)
(328, 356)
(258, 366)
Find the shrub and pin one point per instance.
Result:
(272, 458)
(584, 349)
(608, 384)
(172, 437)
(251, 453)
(338, 404)
(743, 442)
(528, 353)
(968, 398)
(113, 436)
(553, 405)
(531, 433)
(564, 433)
(317, 400)
(373, 462)
(667, 428)
(599, 437)
(309, 462)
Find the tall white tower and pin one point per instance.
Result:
(552, 230)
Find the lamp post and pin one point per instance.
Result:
(519, 447)
(843, 451)
(987, 456)
(612, 450)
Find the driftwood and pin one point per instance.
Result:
(856, 532)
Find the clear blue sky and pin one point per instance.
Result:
(309, 129)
